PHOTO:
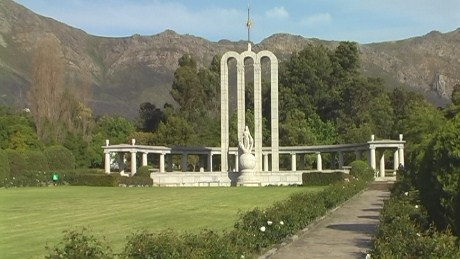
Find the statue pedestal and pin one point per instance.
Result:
(248, 176)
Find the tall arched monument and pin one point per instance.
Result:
(224, 105)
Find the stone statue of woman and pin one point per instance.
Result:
(247, 159)
(246, 141)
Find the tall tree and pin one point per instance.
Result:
(150, 117)
(46, 90)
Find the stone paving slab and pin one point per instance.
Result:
(344, 233)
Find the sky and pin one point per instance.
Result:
(363, 21)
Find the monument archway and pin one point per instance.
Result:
(241, 110)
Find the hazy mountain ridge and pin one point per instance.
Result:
(128, 71)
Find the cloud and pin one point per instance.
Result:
(278, 12)
(316, 19)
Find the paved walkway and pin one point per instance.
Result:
(345, 233)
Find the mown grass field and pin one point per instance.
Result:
(31, 218)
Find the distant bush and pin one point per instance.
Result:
(36, 160)
(59, 158)
(144, 171)
(16, 161)
(80, 244)
(361, 170)
(4, 165)
(321, 179)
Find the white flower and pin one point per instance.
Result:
(242, 256)
(416, 206)
(281, 222)
(347, 180)
(262, 228)
(406, 193)
(418, 234)
(269, 223)
(368, 256)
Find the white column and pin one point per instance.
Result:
(241, 109)
(107, 162)
(210, 162)
(372, 163)
(274, 112)
(401, 150)
(162, 163)
(293, 162)
(340, 159)
(258, 115)
(266, 163)
(133, 163)
(224, 113)
(144, 159)
(319, 162)
(382, 165)
(184, 163)
(401, 154)
(395, 161)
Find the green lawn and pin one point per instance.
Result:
(31, 218)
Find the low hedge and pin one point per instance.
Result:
(321, 179)
(77, 177)
(28, 178)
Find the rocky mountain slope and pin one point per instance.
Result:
(127, 71)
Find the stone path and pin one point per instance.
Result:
(345, 233)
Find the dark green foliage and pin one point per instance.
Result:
(16, 161)
(144, 171)
(321, 179)
(361, 170)
(80, 244)
(404, 232)
(59, 158)
(92, 177)
(36, 160)
(150, 117)
(29, 178)
(4, 165)
(439, 176)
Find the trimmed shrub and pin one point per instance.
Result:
(97, 177)
(59, 158)
(28, 178)
(16, 161)
(133, 181)
(4, 165)
(36, 160)
(144, 171)
(321, 179)
(80, 244)
(361, 170)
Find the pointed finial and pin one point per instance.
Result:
(249, 25)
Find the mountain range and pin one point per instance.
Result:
(125, 72)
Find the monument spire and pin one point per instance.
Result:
(249, 25)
